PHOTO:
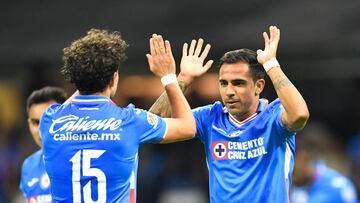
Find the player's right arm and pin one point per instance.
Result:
(182, 125)
(192, 66)
(296, 113)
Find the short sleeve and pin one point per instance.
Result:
(150, 127)
(202, 116)
(281, 129)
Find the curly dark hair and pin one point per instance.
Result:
(91, 61)
(248, 56)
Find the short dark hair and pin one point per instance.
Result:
(91, 61)
(46, 94)
(247, 56)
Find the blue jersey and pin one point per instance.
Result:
(248, 161)
(35, 183)
(328, 186)
(91, 148)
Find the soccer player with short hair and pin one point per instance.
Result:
(249, 143)
(90, 144)
(34, 181)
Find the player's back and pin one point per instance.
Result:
(91, 149)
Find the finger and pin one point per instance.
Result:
(198, 47)
(168, 48)
(275, 33)
(266, 39)
(208, 65)
(258, 51)
(192, 47)
(150, 61)
(152, 47)
(161, 44)
(156, 44)
(185, 49)
(272, 33)
(205, 52)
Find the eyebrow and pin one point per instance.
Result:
(235, 80)
(239, 80)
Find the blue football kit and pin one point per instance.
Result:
(248, 161)
(91, 148)
(329, 186)
(35, 183)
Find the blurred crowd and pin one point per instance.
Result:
(167, 173)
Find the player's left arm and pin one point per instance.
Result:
(296, 113)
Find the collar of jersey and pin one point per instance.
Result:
(262, 105)
(91, 98)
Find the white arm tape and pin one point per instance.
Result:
(271, 64)
(168, 79)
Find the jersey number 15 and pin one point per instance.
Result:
(87, 155)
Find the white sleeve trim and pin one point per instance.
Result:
(166, 129)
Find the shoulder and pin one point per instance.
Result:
(131, 111)
(54, 108)
(31, 162)
(211, 108)
(33, 158)
(51, 110)
(274, 105)
(140, 115)
(272, 109)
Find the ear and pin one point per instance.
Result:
(114, 79)
(29, 121)
(259, 86)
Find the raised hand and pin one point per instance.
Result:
(160, 59)
(192, 61)
(271, 45)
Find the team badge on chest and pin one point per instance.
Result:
(219, 150)
(45, 181)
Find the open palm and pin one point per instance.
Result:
(192, 61)
(271, 44)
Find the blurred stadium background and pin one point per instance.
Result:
(319, 51)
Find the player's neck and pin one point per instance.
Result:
(106, 92)
(251, 111)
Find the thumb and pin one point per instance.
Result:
(259, 51)
(150, 60)
(208, 65)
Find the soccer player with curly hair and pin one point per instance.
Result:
(91, 145)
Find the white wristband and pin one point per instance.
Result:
(168, 79)
(271, 64)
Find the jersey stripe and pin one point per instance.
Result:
(91, 100)
(132, 187)
(240, 123)
(287, 163)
